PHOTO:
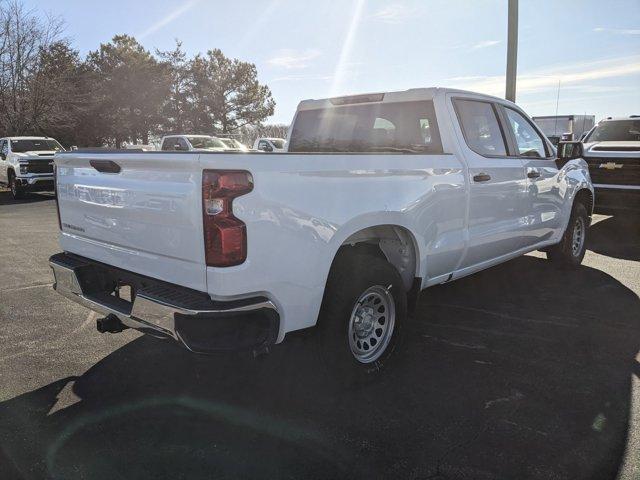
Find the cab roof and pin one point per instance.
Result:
(617, 119)
(411, 95)
(188, 135)
(27, 138)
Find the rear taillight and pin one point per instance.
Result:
(55, 193)
(225, 236)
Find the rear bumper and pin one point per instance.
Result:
(611, 199)
(165, 310)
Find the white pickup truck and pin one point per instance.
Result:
(379, 197)
(26, 163)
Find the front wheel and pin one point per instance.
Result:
(16, 190)
(571, 249)
(362, 318)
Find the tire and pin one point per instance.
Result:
(362, 318)
(16, 190)
(571, 249)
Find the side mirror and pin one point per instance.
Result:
(3, 156)
(569, 151)
(74, 148)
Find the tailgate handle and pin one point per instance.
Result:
(105, 166)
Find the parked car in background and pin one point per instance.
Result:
(565, 128)
(445, 183)
(234, 144)
(612, 151)
(270, 144)
(189, 143)
(26, 163)
(139, 146)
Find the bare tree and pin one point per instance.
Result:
(24, 36)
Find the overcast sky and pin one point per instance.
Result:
(314, 49)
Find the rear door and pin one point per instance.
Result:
(545, 195)
(497, 186)
(138, 211)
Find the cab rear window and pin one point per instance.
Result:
(403, 127)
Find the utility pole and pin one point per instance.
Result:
(512, 51)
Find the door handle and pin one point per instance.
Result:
(533, 174)
(481, 177)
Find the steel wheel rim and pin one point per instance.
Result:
(371, 324)
(577, 240)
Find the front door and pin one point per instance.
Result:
(4, 157)
(497, 183)
(545, 192)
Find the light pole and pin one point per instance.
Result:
(512, 51)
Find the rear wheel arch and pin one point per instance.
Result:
(393, 243)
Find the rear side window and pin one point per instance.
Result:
(480, 127)
(530, 143)
(403, 127)
(168, 144)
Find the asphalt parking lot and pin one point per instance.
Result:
(521, 371)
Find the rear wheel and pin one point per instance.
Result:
(16, 190)
(571, 249)
(362, 318)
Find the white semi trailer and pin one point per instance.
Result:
(565, 128)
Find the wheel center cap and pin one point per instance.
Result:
(364, 321)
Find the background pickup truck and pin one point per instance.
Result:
(612, 151)
(26, 163)
(378, 197)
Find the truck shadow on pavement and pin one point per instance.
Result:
(30, 197)
(520, 371)
(617, 236)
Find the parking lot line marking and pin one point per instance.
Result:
(26, 287)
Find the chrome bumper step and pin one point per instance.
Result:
(165, 310)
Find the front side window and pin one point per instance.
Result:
(4, 148)
(530, 143)
(480, 127)
(380, 127)
(35, 145)
(615, 131)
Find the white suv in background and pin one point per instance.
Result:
(26, 163)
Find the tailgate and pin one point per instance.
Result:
(140, 212)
